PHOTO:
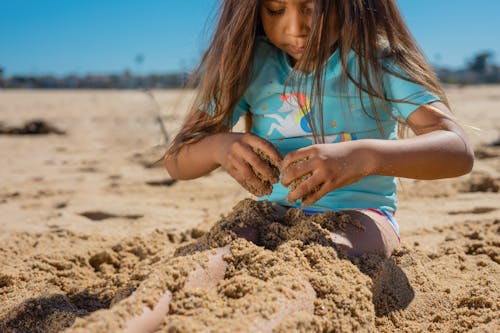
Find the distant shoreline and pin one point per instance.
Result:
(126, 80)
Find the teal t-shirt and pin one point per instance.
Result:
(282, 120)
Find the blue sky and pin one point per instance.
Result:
(102, 36)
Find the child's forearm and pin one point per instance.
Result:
(197, 159)
(438, 154)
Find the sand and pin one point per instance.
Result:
(92, 231)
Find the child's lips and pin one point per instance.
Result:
(297, 49)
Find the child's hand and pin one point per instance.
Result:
(251, 161)
(313, 171)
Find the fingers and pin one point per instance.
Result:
(242, 172)
(263, 170)
(296, 170)
(308, 173)
(251, 162)
(306, 188)
(314, 196)
(265, 146)
(294, 156)
(254, 164)
(260, 154)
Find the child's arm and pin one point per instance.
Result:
(233, 151)
(440, 150)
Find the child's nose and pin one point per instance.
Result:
(297, 25)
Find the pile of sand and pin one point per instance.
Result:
(92, 230)
(293, 253)
(49, 279)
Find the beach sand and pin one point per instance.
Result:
(92, 230)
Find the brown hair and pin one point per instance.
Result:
(374, 29)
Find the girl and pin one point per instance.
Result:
(326, 86)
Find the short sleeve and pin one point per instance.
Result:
(240, 109)
(409, 95)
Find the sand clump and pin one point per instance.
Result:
(443, 300)
(99, 289)
(296, 182)
(289, 246)
(266, 185)
(292, 256)
(258, 281)
(273, 225)
(444, 279)
(45, 288)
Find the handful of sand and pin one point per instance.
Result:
(296, 182)
(266, 186)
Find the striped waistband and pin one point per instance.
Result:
(389, 215)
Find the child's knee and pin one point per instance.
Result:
(371, 236)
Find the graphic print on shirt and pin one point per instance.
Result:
(297, 113)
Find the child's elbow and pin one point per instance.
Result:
(170, 164)
(467, 162)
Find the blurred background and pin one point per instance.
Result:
(156, 43)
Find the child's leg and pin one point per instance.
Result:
(204, 278)
(379, 235)
(207, 278)
(150, 320)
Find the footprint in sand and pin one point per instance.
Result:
(7, 196)
(475, 210)
(89, 169)
(486, 151)
(165, 182)
(99, 216)
(480, 182)
(495, 143)
(60, 205)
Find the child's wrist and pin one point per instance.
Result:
(368, 148)
(219, 145)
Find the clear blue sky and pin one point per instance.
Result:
(103, 36)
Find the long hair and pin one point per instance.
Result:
(373, 29)
(223, 73)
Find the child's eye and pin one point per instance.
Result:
(307, 10)
(274, 12)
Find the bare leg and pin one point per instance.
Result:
(150, 320)
(378, 236)
(207, 278)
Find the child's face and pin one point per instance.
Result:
(287, 24)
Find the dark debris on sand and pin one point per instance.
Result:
(32, 127)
